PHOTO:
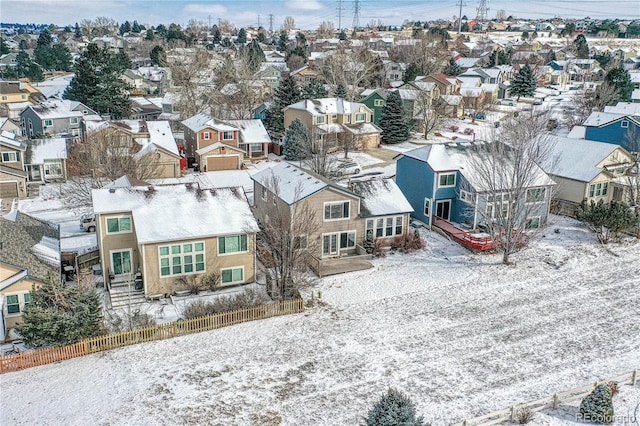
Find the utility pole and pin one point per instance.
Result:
(339, 15)
(460, 18)
(209, 21)
(356, 14)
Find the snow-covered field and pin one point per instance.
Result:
(462, 334)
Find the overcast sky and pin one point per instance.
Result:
(308, 14)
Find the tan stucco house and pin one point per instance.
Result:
(13, 178)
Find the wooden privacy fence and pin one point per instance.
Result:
(552, 401)
(164, 331)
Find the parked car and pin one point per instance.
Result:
(552, 124)
(478, 115)
(349, 168)
(507, 102)
(88, 222)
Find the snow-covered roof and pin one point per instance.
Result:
(362, 128)
(454, 156)
(47, 149)
(597, 119)
(575, 158)
(380, 197)
(9, 139)
(214, 146)
(54, 108)
(327, 106)
(160, 135)
(251, 131)
(294, 184)
(48, 250)
(178, 212)
(624, 108)
(196, 122)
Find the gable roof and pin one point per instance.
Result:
(327, 106)
(380, 197)
(295, 184)
(176, 212)
(20, 234)
(196, 122)
(599, 119)
(251, 131)
(8, 139)
(576, 158)
(160, 135)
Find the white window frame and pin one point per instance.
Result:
(320, 119)
(598, 189)
(338, 242)
(47, 123)
(427, 207)
(181, 255)
(378, 102)
(9, 155)
(531, 218)
(537, 198)
(624, 124)
(441, 175)
(206, 136)
(225, 134)
(466, 196)
(364, 117)
(335, 203)
(113, 270)
(118, 218)
(240, 251)
(20, 306)
(73, 120)
(234, 268)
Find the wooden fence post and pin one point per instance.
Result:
(513, 413)
(556, 401)
(634, 378)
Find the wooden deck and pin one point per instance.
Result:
(473, 241)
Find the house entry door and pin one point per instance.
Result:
(443, 209)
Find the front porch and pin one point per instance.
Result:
(475, 241)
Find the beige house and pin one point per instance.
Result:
(13, 178)
(224, 145)
(326, 117)
(343, 217)
(30, 255)
(585, 169)
(154, 236)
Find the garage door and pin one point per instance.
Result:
(227, 162)
(8, 190)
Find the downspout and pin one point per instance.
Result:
(144, 270)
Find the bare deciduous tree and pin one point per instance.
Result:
(188, 73)
(319, 153)
(590, 100)
(105, 156)
(352, 69)
(349, 140)
(429, 55)
(289, 23)
(326, 30)
(432, 113)
(287, 234)
(509, 181)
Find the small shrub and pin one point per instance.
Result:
(211, 280)
(408, 242)
(379, 249)
(369, 245)
(189, 282)
(246, 299)
(523, 416)
(597, 407)
(393, 408)
(613, 387)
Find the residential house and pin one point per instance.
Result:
(29, 256)
(55, 117)
(7, 125)
(159, 150)
(375, 100)
(271, 74)
(326, 117)
(18, 91)
(616, 128)
(383, 207)
(440, 182)
(159, 234)
(304, 75)
(418, 96)
(145, 108)
(8, 60)
(335, 246)
(584, 170)
(13, 178)
(224, 144)
(394, 71)
(48, 159)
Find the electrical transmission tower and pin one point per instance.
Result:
(356, 14)
(271, 23)
(339, 15)
(482, 10)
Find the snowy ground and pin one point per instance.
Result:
(463, 335)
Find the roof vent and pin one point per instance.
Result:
(112, 190)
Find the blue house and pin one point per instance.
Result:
(616, 128)
(440, 181)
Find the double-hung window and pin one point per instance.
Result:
(10, 157)
(232, 244)
(48, 123)
(320, 119)
(227, 136)
(118, 225)
(13, 304)
(232, 275)
(182, 259)
(360, 117)
(535, 195)
(336, 211)
(598, 189)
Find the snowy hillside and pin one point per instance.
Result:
(461, 334)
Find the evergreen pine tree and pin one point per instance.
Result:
(4, 49)
(255, 55)
(242, 36)
(524, 83)
(341, 92)
(283, 41)
(597, 407)
(621, 80)
(295, 141)
(216, 34)
(77, 34)
(394, 128)
(135, 27)
(393, 409)
(287, 93)
(314, 89)
(98, 84)
(452, 68)
(60, 315)
(342, 36)
(125, 28)
(412, 71)
(45, 39)
(150, 36)
(581, 46)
